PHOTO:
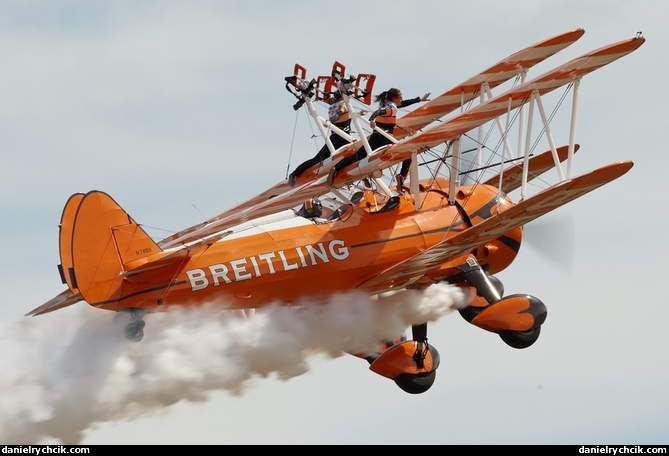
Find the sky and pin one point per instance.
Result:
(179, 112)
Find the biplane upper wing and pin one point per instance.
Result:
(396, 153)
(491, 109)
(502, 71)
(438, 107)
(495, 226)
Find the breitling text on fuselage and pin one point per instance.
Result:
(250, 267)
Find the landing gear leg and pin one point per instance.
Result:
(419, 334)
(484, 284)
(490, 288)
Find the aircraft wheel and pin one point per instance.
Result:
(415, 383)
(520, 339)
(134, 331)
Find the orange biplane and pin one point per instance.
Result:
(455, 222)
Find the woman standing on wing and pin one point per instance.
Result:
(385, 117)
(341, 118)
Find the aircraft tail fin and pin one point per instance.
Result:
(100, 245)
(104, 252)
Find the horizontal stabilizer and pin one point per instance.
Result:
(149, 263)
(171, 257)
(64, 299)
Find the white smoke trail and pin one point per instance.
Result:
(61, 376)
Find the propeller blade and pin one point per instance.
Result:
(553, 238)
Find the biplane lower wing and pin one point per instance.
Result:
(190, 234)
(497, 74)
(495, 226)
(286, 200)
(536, 166)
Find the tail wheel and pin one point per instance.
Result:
(520, 339)
(134, 331)
(416, 383)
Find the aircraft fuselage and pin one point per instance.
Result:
(288, 257)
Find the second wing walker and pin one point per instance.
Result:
(456, 223)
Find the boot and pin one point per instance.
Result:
(400, 182)
(331, 176)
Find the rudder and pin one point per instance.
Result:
(104, 238)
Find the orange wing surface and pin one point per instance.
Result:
(497, 74)
(536, 166)
(494, 227)
(495, 107)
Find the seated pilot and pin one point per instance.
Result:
(311, 209)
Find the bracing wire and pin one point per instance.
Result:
(314, 136)
(292, 143)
